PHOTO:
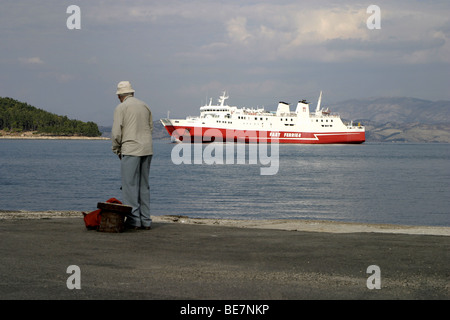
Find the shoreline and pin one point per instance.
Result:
(51, 138)
(34, 135)
(326, 226)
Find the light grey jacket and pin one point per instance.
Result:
(132, 129)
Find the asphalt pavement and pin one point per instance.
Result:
(53, 259)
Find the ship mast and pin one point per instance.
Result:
(223, 98)
(318, 102)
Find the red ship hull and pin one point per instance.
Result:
(205, 135)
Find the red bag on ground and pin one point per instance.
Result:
(92, 219)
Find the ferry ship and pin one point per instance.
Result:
(223, 123)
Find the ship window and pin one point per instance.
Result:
(260, 118)
(256, 118)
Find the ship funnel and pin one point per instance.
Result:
(302, 108)
(283, 108)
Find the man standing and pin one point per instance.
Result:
(131, 137)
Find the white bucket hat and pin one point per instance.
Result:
(124, 87)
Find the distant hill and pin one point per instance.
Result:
(399, 119)
(395, 110)
(16, 116)
(407, 132)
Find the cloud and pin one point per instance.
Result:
(330, 32)
(325, 31)
(54, 76)
(249, 43)
(237, 30)
(259, 50)
(339, 34)
(32, 60)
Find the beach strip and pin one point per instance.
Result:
(272, 224)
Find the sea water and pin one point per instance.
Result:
(406, 184)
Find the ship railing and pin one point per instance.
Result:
(287, 114)
(166, 121)
(313, 115)
(255, 113)
(355, 127)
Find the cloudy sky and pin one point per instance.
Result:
(179, 53)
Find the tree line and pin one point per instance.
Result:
(19, 116)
